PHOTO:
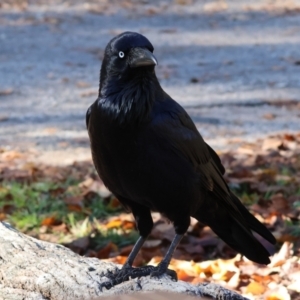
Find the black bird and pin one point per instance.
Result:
(149, 153)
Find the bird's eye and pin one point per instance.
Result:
(121, 54)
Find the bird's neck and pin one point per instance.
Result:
(130, 101)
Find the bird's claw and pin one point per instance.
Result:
(160, 271)
(107, 284)
(120, 275)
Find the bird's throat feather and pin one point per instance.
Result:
(129, 101)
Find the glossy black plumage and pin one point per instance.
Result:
(149, 153)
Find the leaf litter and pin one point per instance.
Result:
(70, 205)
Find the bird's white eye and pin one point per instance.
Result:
(121, 54)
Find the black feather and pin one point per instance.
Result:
(149, 153)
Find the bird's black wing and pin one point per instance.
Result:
(216, 159)
(177, 129)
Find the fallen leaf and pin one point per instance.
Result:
(105, 251)
(271, 143)
(281, 293)
(114, 224)
(50, 221)
(278, 259)
(184, 276)
(255, 288)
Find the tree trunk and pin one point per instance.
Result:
(34, 269)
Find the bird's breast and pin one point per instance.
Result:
(134, 163)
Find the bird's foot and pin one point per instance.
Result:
(162, 269)
(126, 272)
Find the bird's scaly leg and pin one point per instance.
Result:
(127, 271)
(162, 268)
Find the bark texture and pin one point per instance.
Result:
(38, 270)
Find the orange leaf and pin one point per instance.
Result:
(183, 276)
(259, 278)
(74, 207)
(281, 293)
(50, 221)
(128, 224)
(118, 259)
(114, 224)
(255, 288)
(2, 216)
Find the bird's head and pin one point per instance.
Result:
(127, 55)
(128, 84)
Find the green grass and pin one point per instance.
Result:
(27, 204)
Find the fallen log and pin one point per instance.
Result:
(38, 270)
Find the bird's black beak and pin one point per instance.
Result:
(141, 57)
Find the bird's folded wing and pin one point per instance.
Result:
(178, 130)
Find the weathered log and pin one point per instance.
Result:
(34, 269)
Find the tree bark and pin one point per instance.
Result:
(38, 270)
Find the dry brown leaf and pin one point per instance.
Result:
(280, 293)
(234, 281)
(7, 208)
(279, 205)
(51, 221)
(105, 251)
(289, 137)
(182, 275)
(255, 288)
(11, 155)
(278, 259)
(118, 259)
(271, 143)
(126, 250)
(75, 207)
(128, 225)
(2, 216)
(114, 203)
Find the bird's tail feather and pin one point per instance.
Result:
(252, 222)
(236, 231)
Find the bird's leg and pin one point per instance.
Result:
(123, 274)
(162, 268)
(181, 225)
(144, 223)
(135, 250)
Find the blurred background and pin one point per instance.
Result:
(234, 65)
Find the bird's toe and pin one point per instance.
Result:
(121, 275)
(159, 272)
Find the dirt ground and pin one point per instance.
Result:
(234, 65)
